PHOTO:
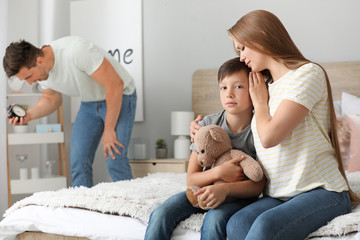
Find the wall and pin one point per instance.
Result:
(183, 36)
(3, 152)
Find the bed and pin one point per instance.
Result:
(120, 210)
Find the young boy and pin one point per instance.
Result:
(235, 119)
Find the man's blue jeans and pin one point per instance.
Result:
(86, 135)
(164, 219)
(270, 218)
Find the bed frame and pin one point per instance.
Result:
(344, 76)
(46, 236)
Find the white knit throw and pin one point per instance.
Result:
(137, 198)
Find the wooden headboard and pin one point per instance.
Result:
(344, 77)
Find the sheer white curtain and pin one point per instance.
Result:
(3, 122)
(54, 23)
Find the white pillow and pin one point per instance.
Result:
(350, 104)
(337, 107)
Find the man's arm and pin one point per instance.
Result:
(108, 77)
(49, 102)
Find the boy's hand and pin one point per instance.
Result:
(231, 171)
(212, 195)
(194, 127)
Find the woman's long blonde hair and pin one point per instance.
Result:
(263, 32)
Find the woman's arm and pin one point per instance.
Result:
(194, 127)
(289, 114)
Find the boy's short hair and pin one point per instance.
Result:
(230, 67)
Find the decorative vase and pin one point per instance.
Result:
(161, 153)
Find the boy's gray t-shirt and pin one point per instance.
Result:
(243, 140)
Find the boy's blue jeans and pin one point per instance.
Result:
(270, 218)
(164, 219)
(86, 135)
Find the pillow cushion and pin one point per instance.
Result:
(337, 107)
(354, 127)
(343, 132)
(350, 104)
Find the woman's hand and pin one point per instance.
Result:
(230, 171)
(212, 195)
(257, 88)
(194, 127)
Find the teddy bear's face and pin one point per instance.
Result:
(210, 142)
(205, 158)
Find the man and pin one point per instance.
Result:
(74, 66)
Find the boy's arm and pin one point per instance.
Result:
(195, 175)
(229, 172)
(214, 195)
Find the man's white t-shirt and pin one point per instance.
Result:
(75, 60)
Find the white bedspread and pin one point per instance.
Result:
(135, 198)
(138, 197)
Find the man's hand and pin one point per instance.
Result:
(19, 120)
(110, 144)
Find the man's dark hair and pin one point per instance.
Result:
(230, 67)
(20, 54)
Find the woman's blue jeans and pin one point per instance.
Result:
(269, 218)
(164, 219)
(86, 135)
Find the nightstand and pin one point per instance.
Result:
(141, 168)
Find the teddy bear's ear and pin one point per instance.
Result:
(217, 135)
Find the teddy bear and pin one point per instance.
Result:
(214, 148)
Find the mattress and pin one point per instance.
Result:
(120, 211)
(93, 225)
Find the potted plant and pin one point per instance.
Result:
(161, 149)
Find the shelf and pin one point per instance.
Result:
(35, 138)
(37, 185)
(24, 95)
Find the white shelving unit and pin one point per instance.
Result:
(35, 138)
(36, 185)
(28, 186)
